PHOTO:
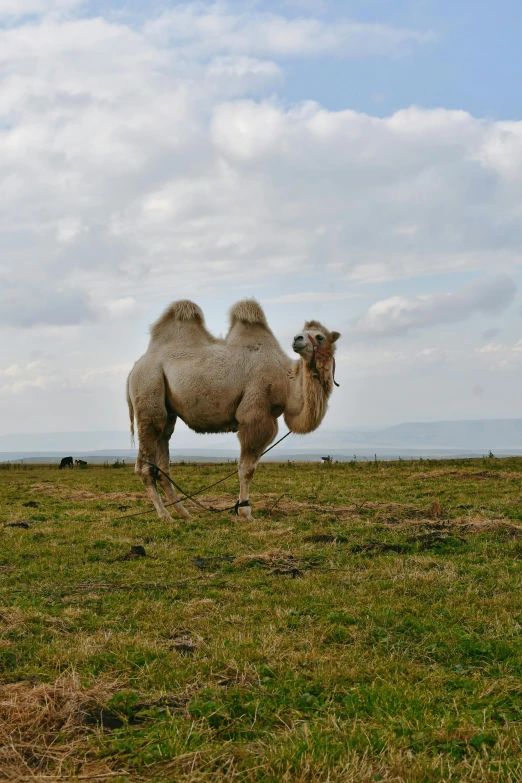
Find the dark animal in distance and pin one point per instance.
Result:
(67, 462)
(80, 463)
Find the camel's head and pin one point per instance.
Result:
(314, 333)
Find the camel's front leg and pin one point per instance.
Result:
(254, 438)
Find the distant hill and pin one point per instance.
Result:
(436, 439)
(480, 435)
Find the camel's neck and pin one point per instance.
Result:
(310, 389)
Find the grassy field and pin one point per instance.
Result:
(365, 626)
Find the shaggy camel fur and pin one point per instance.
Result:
(240, 384)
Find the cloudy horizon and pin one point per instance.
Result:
(363, 168)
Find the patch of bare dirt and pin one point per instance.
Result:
(278, 562)
(266, 504)
(434, 538)
(272, 505)
(45, 488)
(83, 494)
(10, 619)
(286, 506)
(91, 589)
(484, 525)
(474, 525)
(232, 677)
(379, 547)
(481, 475)
(106, 719)
(325, 538)
(134, 553)
(212, 562)
(185, 641)
(107, 495)
(277, 532)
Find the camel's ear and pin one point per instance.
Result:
(334, 336)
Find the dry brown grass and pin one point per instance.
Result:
(81, 494)
(481, 475)
(43, 730)
(272, 504)
(393, 655)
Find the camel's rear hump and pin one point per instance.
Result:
(247, 311)
(184, 314)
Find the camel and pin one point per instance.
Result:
(242, 383)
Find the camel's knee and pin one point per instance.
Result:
(147, 471)
(246, 471)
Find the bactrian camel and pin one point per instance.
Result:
(242, 384)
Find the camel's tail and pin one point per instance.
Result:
(183, 310)
(131, 413)
(247, 311)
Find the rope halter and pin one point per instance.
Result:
(318, 350)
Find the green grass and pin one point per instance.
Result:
(368, 627)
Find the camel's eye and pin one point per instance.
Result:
(319, 338)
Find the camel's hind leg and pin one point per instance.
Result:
(254, 437)
(149, 433)
(163, 463)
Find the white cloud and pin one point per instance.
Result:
(242, 66)
(35, 375)
(502, 150)
(17, 8)
(61, 374)
(313, 296)
(25, 303)
(206, 29)
(490, 347)
(125, 158)
(146, 162)
(373, 363)
(119, 308)
(498, 357)
(488, 334)
(95, 373)
(400, 315)
(13, 371)
(68, 229)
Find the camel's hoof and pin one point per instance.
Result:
(181, 511)
(245, 512)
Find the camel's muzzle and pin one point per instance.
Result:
(300, 343)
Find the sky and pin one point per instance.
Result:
(355, 162)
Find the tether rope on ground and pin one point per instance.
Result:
(191, 496)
